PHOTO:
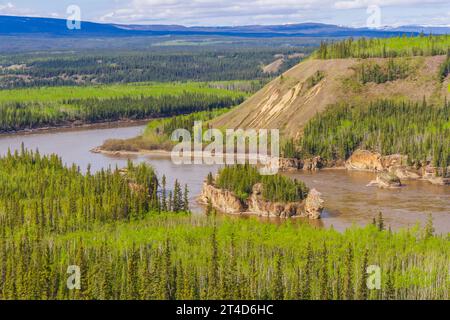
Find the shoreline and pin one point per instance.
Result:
(167, 154)
(122, 153)
(161, 152)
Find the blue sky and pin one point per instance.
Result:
(238, 12)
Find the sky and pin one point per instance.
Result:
(355, 13)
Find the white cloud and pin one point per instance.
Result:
(196, 12)
(240, 12)
(5, 8)
(358, 4)
(246, 12)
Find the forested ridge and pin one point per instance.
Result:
(21, 115)
(209, 64)
(384, 47)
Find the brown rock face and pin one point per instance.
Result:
(365, 160)
(290, 164)
(404, 173)
(313, 164)
(257, 205)
(222, 200)
(394, 160)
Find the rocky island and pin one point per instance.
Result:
(293, 198)
(391, 169)
(394, 168)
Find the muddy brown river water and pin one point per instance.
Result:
(348, 199)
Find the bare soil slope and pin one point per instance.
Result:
(290, 101)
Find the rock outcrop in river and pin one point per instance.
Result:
(395, 168)
(386, 181)
(311, 164)
(364, 160)
(223, 200)
(256, 204)
(226, 202)
(314, 204)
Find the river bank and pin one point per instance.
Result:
(99, 150)
(68, 127)
(391, 170)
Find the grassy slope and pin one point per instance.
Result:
(288, 104)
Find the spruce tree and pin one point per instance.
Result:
(348, 279)
(186, 199)
(380, 222)
(323, 276)
(164, 206)
(363, 290)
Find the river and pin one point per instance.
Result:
(348, 199)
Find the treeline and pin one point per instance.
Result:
(384, 48)
(209, 64)
(418, 130)
(240, 179)
(444, 69)
(250, 86)
(394, 69)
(30, 115)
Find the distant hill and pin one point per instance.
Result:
(11, 25)
(290, 101)
(289, 30)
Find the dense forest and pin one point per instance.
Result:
(42, 195)
(240, 179)
(112, 225)
(86, 68)
(384, 48)
(22, 115)
(418, 130)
